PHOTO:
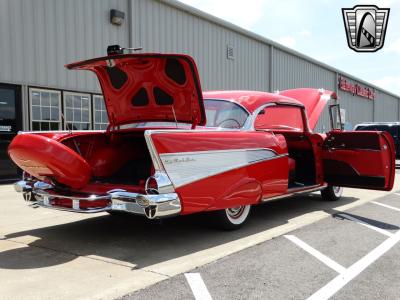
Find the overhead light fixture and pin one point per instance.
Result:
(117, 17)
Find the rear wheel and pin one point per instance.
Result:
(232, 218)
(332, 193)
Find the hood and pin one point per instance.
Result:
(314, 101)
(148, 87)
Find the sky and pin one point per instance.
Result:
(315, 28)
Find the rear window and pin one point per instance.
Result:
(280, 117)
(224, 114)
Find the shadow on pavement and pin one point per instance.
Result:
(137, 241)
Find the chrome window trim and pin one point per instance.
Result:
(260, 108)
(238, 104)
(231, 101)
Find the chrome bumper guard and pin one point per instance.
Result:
(151, 206)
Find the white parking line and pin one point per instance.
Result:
(385, 205)
(380, 230)
(197, 286)
(321, 257)
(342, 279)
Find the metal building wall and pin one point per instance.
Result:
(387, 108)
(290, 71)
(160, 27)
(39, 37)
(358, 109)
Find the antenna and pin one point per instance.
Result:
(173, 111)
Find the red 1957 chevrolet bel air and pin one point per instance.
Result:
(172, 150)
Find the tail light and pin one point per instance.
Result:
(151, 186)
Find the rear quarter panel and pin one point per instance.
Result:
(219, 169)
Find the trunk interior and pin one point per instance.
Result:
(118, 160)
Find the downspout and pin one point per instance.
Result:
(130, 24)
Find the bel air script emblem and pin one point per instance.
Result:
(365, 27)
(178, 160)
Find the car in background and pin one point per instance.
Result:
(391, 127)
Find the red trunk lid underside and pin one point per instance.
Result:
(148, 87)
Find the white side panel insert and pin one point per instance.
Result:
(185, 167)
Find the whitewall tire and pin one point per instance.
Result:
(232, 218)
(332, 193)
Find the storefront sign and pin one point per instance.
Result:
(356, 89)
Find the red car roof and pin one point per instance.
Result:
(250, 100)
(314, 100)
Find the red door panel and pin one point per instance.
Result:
(359, 159)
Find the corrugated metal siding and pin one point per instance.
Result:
(358, 109)
(386, 108)
(39, 37)
(289, 71)
(158, 27)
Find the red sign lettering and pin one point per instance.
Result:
(356, 89)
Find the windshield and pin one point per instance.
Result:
(224, 114)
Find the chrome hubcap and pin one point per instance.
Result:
(235, 212)
(337, 190)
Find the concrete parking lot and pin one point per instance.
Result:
(291, 248)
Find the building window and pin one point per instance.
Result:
(77, 111)
(100, 113)
(45, 109)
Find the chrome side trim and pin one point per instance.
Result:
(221, 151)
(153, 151)
(187, 167)
(296, 192)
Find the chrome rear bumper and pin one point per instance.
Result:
(151, 206)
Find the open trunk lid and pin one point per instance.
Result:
(148, 87)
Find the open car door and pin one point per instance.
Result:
(360, 159)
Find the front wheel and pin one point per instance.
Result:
(332, 193)
(232, 218)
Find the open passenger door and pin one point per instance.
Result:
(360, 159)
